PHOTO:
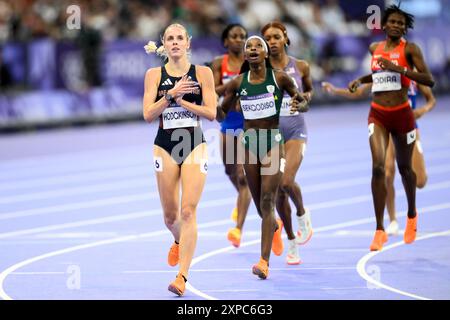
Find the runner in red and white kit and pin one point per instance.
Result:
(395, 62)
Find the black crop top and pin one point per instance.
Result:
(167, 82)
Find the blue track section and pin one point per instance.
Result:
(80, 218)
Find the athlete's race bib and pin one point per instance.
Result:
(178, 117)
(386, 81)
(258, 107)
(286, 108)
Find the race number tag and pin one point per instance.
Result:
(286, 108)
(411, 136)
(178, 117)
(258, 107)
(158, 164)
(386, 81)
(204, 166)
(371, 129)
(282, 164)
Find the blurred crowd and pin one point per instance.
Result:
(105, 20)
(144, 19)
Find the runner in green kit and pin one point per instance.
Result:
(260, 90)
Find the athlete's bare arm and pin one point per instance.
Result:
(206, 81)
(216, 67)
(308, 90)
(429, 104)
(361, 92)
(298, 102)
(230, 99)
(353, 85)
(150, 108)
(421, 74)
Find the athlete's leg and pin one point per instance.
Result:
(288, 186)
(418, 163)
(253, 176)
(167, 177)
(228, 152)
(270, 182)
(404, 147)
(390, 177)
(379, 139)
(244, 196)
(193, 177)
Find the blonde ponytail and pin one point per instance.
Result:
(151, 47)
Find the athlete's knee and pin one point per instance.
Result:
(242, 181)
(230, 170)
(378, 171)
(421, 181)
(170, 218)
(389, 176)
(281, 194)
(405, 170)
(286, 185)
(187, 212)
(267, 200)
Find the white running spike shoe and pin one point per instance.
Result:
(305, 229)
(393, 228)
(293, 257)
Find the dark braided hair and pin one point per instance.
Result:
(228, 28)
(409, 18)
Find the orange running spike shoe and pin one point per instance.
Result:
(234, 235)
(178, 285)
(277, 242)
(174, 254)
(379, 239)
(410, 230)
(261, 269)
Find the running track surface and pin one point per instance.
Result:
(80, 218)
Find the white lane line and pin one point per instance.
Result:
(347, 250)
(231, 290)
(205, 256)
(146, 182)
(204, 204)
(34, 273)
(361, 265)
(141, 183)
(72, 166)
(79, 156)
(139, 153)
(143, 166)
(131, 178)
(4, 274)
(147, 196)
(342, 288)
(136, 156)
(240, 269)
(65, 179)
(64, 208)
(89, 189)
(157, 233)
(114, 218)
